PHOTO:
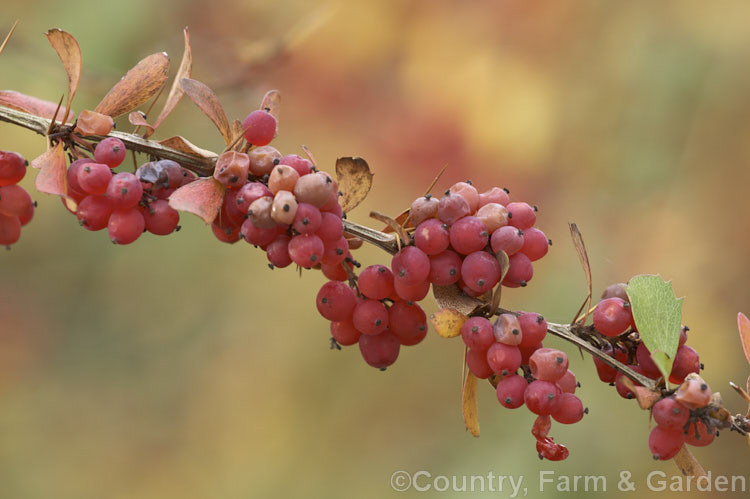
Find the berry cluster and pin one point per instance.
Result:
(545, 386)
(681, 417)
(16, 206)
(458, 236)
(454, 240)
(124, 203)
(614, 320)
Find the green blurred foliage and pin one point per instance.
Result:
(180, 367)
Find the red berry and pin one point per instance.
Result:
(664, 443)
(521, 215)
(110, 151)
(161, 219)
(260, 127)
(124, 190)
(520, 271)
(370, 317)
(94, 211)
(344, 332)
(432, 236)
(336, 301)
(126, 225)
(477, 333)
(480, 271)
(94, 178)
(306, 250)
(510, 391)
(612, 316)
(12, 168)
(381, 350)
(376, 282)
(445, 268)
(10, 230)
(408, 321)
(14, 201)
(469, 234)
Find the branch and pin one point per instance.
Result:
(203, 167)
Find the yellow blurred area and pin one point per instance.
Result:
(181, 367)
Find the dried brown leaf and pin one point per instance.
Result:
(69, 51)
(743, 324)
(238, 133)
(175, 93)
(452, 297)
(206, 100)
(470, 404)
(310, 155)
(394, 225)
(184, 145)
(137, 118)
(138, 85)
(355, 180)
(402, 219)
(52, 177)
(10, 33)
(93, 123)
(580, 247)
(202, 197)
(30, 104)
(504, 261)
(272, 103)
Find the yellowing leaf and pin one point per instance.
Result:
(355, 180)
(470, 405)
(138, 85)
(447, 322)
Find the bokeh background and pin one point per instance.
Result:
(180, 367)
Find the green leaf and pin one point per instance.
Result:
(658, 317)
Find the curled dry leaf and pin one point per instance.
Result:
(470, 405)
(238, 133)
(202, 197)
(206, 100)
(175, 93)
(32, 105)
(272, 103)
(448, 322)
(93, 123)
(452, 297)
(138, 85)
(403, 220)
(137, 118)
(184, 145)
(69, 51)
(355, 180)
(403, 237)
(52, 177)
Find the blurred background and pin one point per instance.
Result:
(181, 367)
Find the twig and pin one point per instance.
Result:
(197, 164)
